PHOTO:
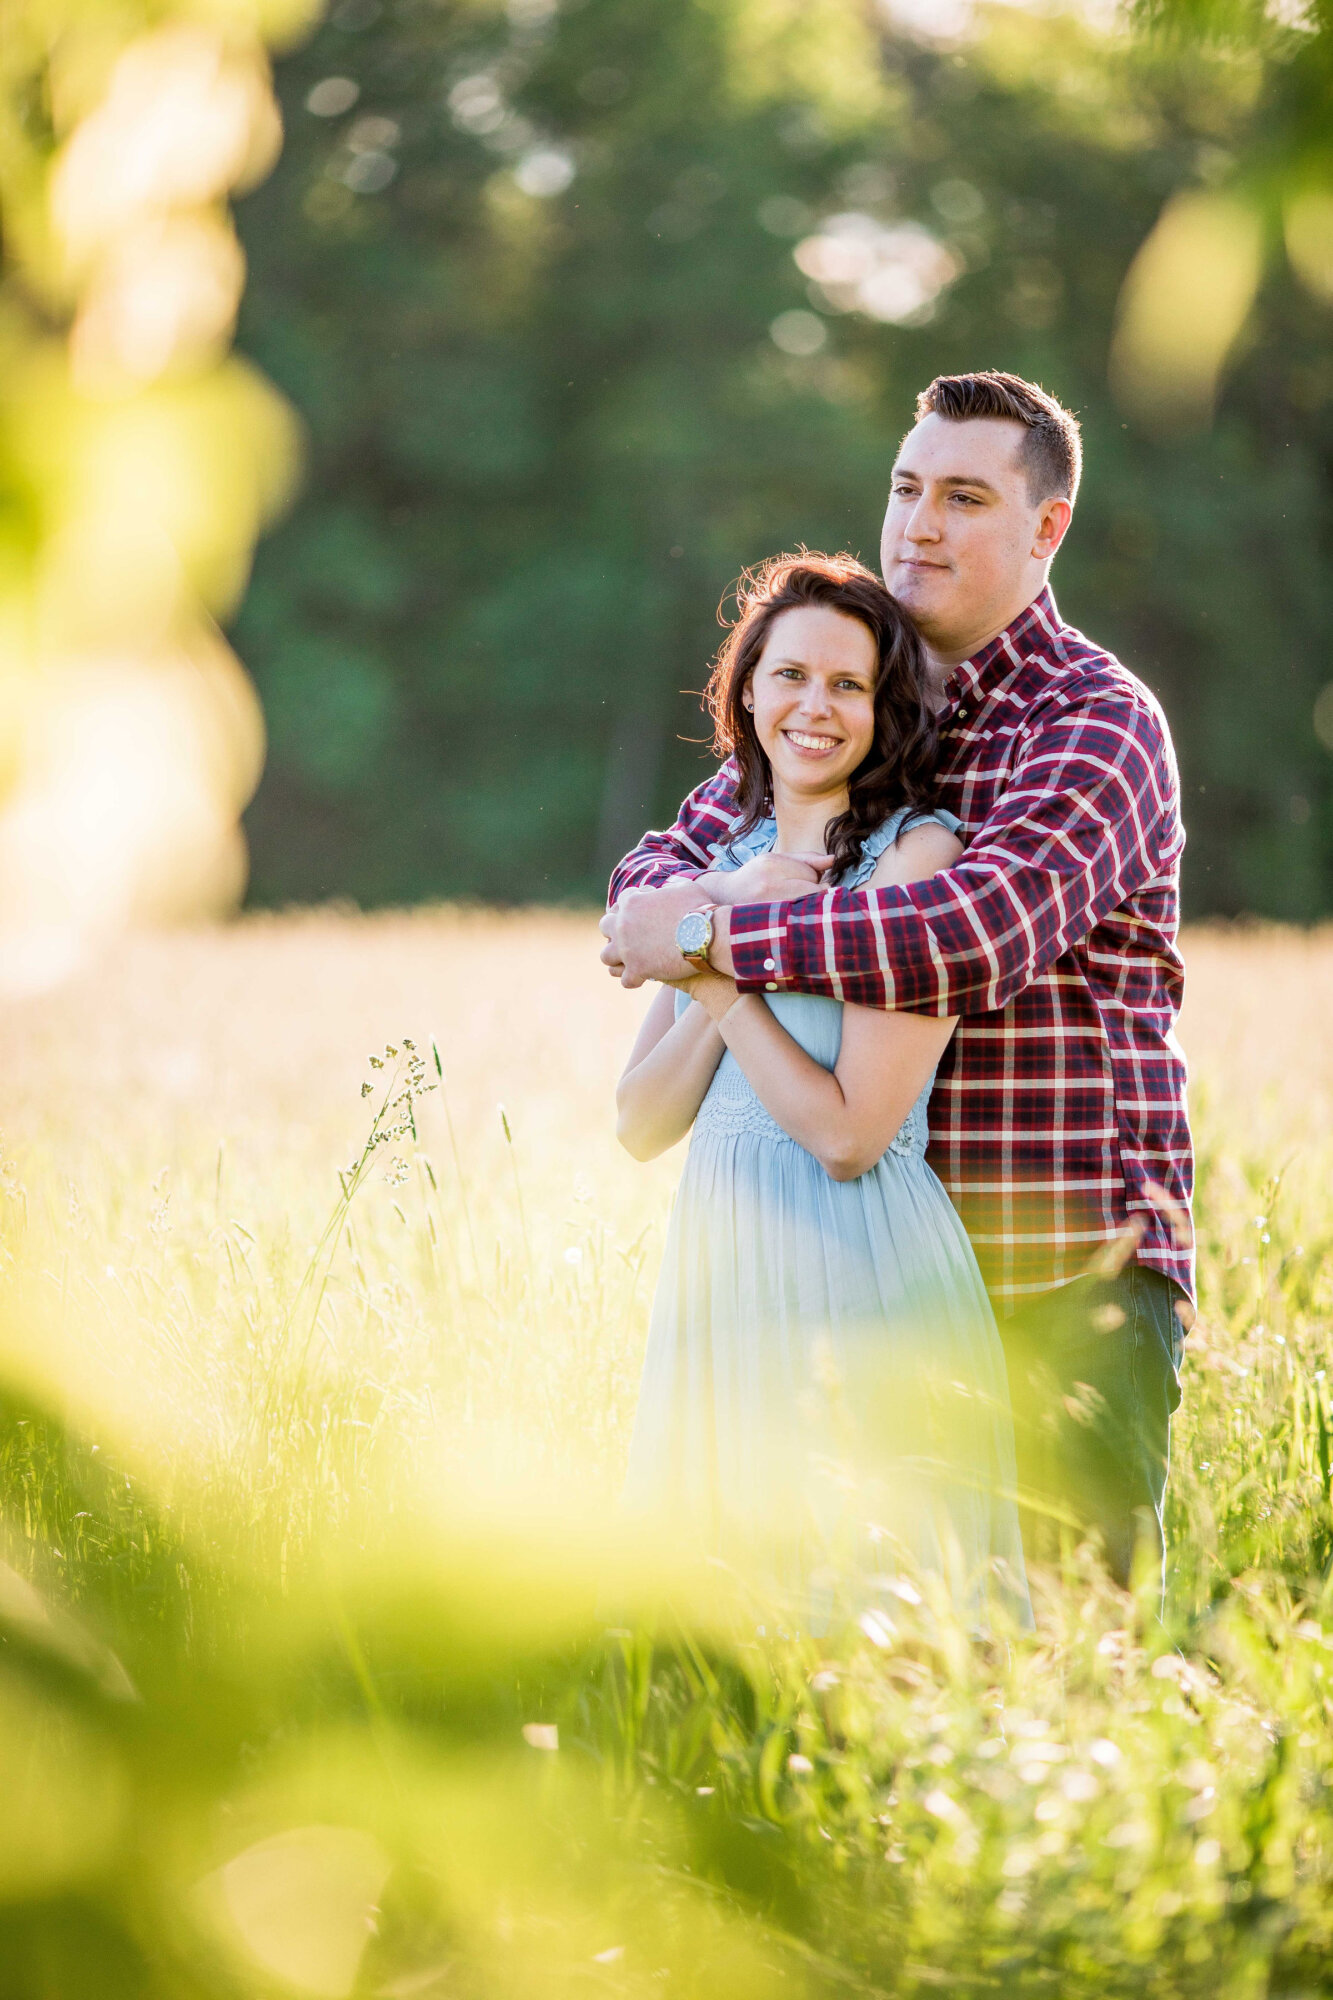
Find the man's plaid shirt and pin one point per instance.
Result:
(1058, 1116)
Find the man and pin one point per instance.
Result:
(1058, 1117)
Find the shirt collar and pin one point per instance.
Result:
(1034, 627)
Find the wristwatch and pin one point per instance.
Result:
(694, 936)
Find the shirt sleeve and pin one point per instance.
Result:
(1091, 814)
(704, 821)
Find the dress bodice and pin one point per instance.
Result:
(811, 1019)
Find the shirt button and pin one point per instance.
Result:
(770, 986)
(769, 965)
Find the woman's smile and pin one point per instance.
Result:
(809, 745)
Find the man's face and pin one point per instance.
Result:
(964, 547)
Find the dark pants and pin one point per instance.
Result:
(1094, 1375)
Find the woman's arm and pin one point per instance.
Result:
(845, 1117)
(665, 1080)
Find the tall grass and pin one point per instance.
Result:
(307, 1467)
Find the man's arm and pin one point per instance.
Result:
(686, 848)
(1089, 817)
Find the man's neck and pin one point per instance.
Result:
(946, 652)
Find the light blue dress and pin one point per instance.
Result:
(824, 1381)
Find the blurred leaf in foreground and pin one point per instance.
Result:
(137, 464)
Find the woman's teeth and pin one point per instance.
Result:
(805, 742)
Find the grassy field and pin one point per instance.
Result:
(307, 1470)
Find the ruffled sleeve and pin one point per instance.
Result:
(892, 830)
(729, 854)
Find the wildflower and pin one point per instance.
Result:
(542, 1735)
(877, 1628)
(900, 1587)
(366, 1089)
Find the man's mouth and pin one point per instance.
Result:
(804, 740)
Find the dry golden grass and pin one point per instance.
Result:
(1255, 1026)
(176, 1118)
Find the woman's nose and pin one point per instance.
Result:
(816, 701)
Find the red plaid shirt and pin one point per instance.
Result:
(1058, 1115)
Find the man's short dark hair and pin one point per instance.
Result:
(1052, 451)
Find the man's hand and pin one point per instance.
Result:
(769, 878)
(640, 933)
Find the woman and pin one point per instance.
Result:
(819, 1307)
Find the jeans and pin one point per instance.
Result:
(1094, 1376)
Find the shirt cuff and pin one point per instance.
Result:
(759, 946)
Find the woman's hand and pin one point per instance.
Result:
(716, 994)
(768, 878)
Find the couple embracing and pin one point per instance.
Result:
(916, 942)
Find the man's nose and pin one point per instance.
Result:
(922, 523)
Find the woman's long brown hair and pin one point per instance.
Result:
(899, 768)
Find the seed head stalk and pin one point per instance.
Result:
(522, 1212)
(405, 1083)
(458, 1164)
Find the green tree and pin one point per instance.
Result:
(585, 309)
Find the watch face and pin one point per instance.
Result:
(694, 933)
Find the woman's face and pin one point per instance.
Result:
(812, 695)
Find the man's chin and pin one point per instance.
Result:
(921, 596)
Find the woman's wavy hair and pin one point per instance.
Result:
(899, 768)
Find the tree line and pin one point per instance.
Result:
(586, 306)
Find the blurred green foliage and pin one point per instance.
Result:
(256, 1744)
(519, 269)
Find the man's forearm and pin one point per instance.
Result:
(1074, 834)
(962, 941)
(686, 848)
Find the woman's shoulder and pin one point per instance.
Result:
(900, 821)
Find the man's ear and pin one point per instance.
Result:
(1052, 523)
